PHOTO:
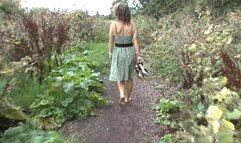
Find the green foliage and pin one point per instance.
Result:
(24, 90)
(97, 53)
(44, 41)
(164, 108)
(86, 28)
(37, 10)
(76, 138)
(29, 134)
(165, 105)
(163, 62)
(10, 111)
(3, 84)
(160, 8)
(73, 90)
(206, 55)
(10, 36)
(100, 30)
(162, 49)
(146, 26)
(166, 139)
(9, 6)
(25, 36)
(158, 52)
(214, 97)
(81, 28)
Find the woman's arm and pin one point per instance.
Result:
(111, 39)
(135, 40)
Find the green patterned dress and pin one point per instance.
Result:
(123, 60)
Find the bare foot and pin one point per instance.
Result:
(121, 101)
(128, 100)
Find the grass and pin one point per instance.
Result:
(99, 54)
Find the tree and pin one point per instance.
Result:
(39, 10)
(158, 8)
(9, 6)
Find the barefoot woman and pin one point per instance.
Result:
(123, 51)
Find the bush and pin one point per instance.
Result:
(74, 89)
(100, 29)
(208, 50)
(81, 28)
(24, 90)
(30, 134)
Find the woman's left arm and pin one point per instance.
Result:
(136, 44)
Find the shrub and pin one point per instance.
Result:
(74, 90)
(207, 50)
(30, 134)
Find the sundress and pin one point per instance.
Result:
(123, 60)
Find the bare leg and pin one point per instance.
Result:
(121, 87)
(129, 90)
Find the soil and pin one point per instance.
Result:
(130, 123)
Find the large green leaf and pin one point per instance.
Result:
(3, 84)
(28, 134)
(225, 136)
(44, 113)
(68, 87)
(235, 114)
(68, 100)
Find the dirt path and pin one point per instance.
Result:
(132, 123)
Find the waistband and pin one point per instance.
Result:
(124, 45)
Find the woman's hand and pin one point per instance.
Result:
(140, 59)
(110, 55)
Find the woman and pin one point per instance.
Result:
(124, 51)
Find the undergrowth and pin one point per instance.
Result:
(206, 55)
(71, 90)
(98, 53)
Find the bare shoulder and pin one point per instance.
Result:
(112, 27)
(112, 24)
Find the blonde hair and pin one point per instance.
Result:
(122, 12)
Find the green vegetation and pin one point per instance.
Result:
(160, 8)
(28, 134)
(74, 89)
(166, 139)
(164, 108)
(201, 53)
(98, 54)
(25, 90)
(49, 74)
(192, 43)
(9, 7)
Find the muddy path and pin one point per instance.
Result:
(131, 123)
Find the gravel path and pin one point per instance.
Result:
(131, 123)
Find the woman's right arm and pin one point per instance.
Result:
(111, 39)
